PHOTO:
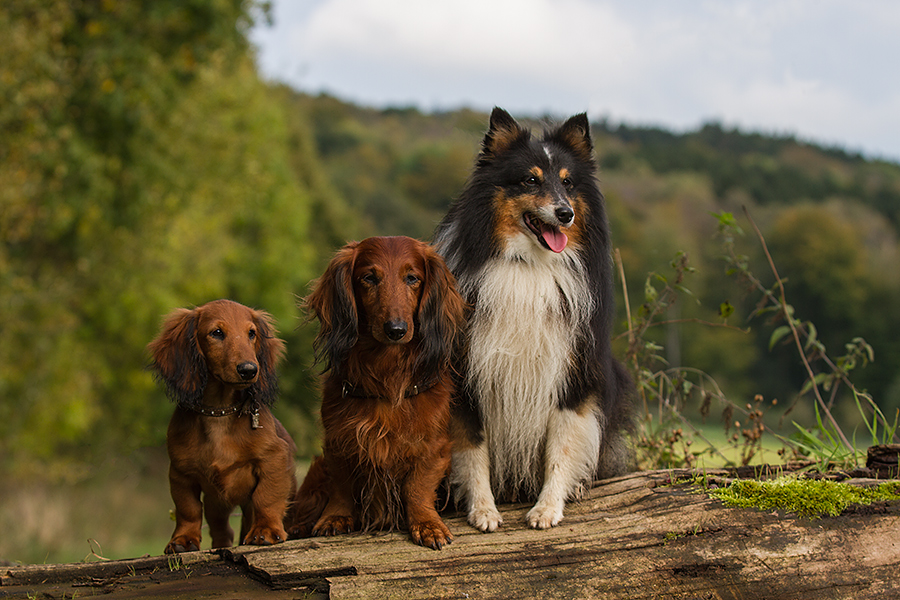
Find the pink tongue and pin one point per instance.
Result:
(555, 238)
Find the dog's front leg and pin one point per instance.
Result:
(188, 513)
(420, 495)
(471, 475)
(572, 451)
(275, 485)
(337, 517)
(309, 501)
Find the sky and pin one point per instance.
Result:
(825, 71)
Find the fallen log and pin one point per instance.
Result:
(645, 535)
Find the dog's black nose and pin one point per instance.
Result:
(395, 329)
(565, 214)
(247, 370)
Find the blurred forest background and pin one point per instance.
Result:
(144, 165)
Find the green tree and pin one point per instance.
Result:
(824, 262)
(143, 166)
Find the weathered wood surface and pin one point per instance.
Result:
(636, 536)
(884, 460)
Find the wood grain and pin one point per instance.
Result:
(638, 536)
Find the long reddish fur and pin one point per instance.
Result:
(196, 356)
(384, 454)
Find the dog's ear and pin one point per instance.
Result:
(334, 305)
(441, 314)
(502, 134)
(269, 351)
(575, 134)
(177, 359)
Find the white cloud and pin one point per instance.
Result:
(823, 70)
(538, 38)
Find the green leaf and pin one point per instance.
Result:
(819, 379)
(726, 309)
(811, 335)
(685, 291)
(726, 219)
(777, 335)
(650, 293)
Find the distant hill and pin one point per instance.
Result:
(772, 170)
(395, 171)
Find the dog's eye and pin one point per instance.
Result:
(251, 334)
(412, 279)
(568, 183)
(369, 279)
(218, 334)
(532, 181)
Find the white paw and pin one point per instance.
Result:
(544, 516)
(486, 519)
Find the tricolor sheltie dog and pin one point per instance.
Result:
(542, 408)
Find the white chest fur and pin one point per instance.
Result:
(528, 319)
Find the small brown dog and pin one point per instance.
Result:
(218, 364)
(390, 318)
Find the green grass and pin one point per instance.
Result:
(122, 512)
(118, 512)
(768, 454)
(715, 437)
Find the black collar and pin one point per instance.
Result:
(240, 406)
(350, 390)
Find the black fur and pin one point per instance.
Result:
(186, 376)
(437, 333)
(265, 390)
(339, 332)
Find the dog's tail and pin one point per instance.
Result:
(309, 502)
(617, 455)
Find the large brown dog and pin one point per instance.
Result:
(218, 364)
(390, 318)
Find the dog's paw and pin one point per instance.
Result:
(333, 525)
(296, 532)
(182, 543)
(486, 519)
(544, 515)
(265, 536)
(432, 534)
